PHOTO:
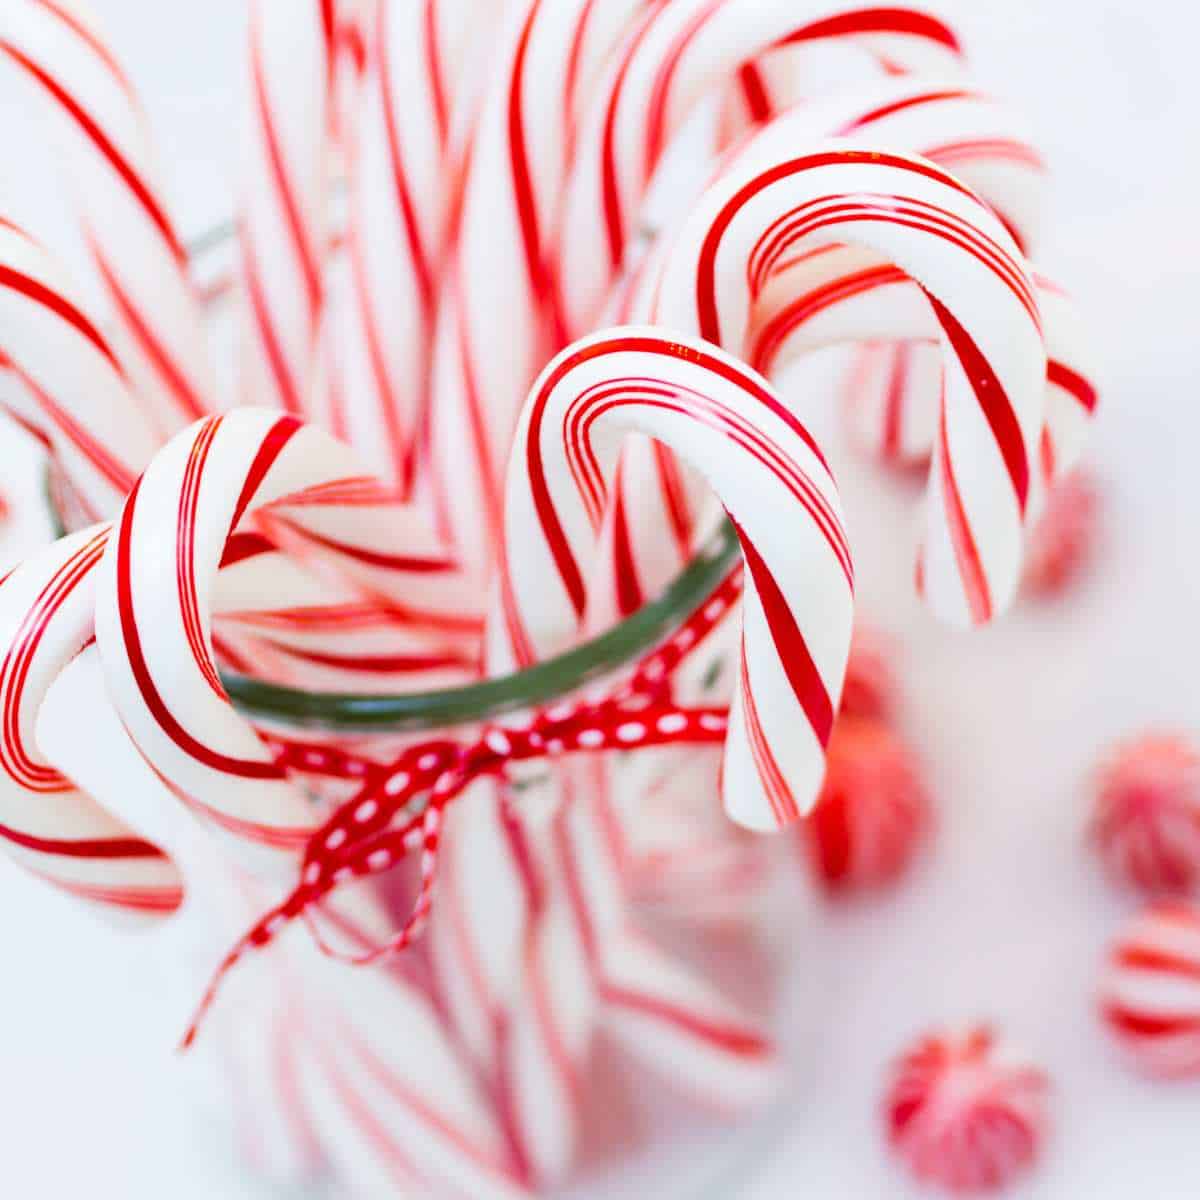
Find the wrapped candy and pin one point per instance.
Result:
(1146, 818)
(965, 1111)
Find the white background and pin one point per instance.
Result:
(1006, 918)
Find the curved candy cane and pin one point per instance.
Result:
(58, 47)
(154, 611)
(285, 192)
(46, 823)
(74, 396)
(679, 54)
(735, 263)
(727, 423)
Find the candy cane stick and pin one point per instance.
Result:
(283, 222)
(975, 295)
(58, 46)
(510, 192)
(46, 823)
(154, 633)
(726, 421)
(675, 58)
(74, 395)
(401, 186)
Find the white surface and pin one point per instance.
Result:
(1006, 918)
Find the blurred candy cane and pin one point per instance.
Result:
(681, 53)
(283, 228)
(500, 262)
(58, 46)
(769, 217)
(728, 424)
(74, 396)
(403, 163)
(46, 823)
(154, 627)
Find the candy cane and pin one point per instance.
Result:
(677, 56)
(728, 423)
(73, 394)
(975, 295)
(500, 261)
(46, 823)
(283, 220)
(59, 48)
(154, 633)
(400, 189)
(900, 413)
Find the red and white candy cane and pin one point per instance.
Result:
(679, 54)
(73, 392)
(46, 823)
(1150, 995)
(735, 262)
(154, 611)
(110, 157)
(401, 186)
(501, 259)
(726, 421)
(283, 230)
(966, 1111)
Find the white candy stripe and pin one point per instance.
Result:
(74, 396)
(283, 229)
(154, 612)
(111, 162)
(46, 823)
(976, 295)
(501, 259)
(680, 54)
(727, 423)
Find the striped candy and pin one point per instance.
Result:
(966, 1112)
(46, 823)
(770, 216)
(228, 476)
(111, 163)
(760, 460)
(73, 392)
(1150, 994)
(283, 230)
(1145, 823)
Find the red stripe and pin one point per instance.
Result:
(887, 110)
(242, 546)
(966, 553)
(433, 67)
(114, 847)
(411, 563)
(97, 47)
(993, 400)
(1059, 374)
(289, 391)
(172, 375)
(754, 92)
(792, 649)
(61, 307)
(268, 451)
(116, 160)
(741, 1042)
(630, 596)
(1145, 958)
(878, 20)
(242, 768)
(708, 318)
